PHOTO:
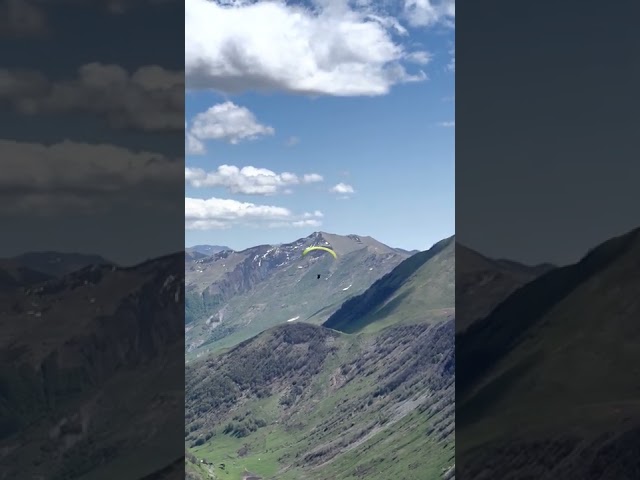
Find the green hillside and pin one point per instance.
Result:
(421, 288)
(302, 401)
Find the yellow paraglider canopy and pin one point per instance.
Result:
(308, 249)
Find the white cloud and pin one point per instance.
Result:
(218, 213)
(229, 122)
(331, 49)
(425, 13)
(193, 146)
(451, 66)
(247, 180)
(342, 188)
(151, 98)
(316, 213)
(448, 124)
(419, 57)
(312, 178)
(297, 223)
(49, 179)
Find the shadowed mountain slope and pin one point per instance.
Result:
(483, 283)
(547, 383)
(91, 373)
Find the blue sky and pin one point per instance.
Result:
(391, 138)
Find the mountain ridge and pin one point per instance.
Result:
(544, 292)
(376, 296)
(232, 295)
(75, 346)
(548, 381)
(483, 283)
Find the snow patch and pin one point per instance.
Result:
(293, 319)
(347, 288)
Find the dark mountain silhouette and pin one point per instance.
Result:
(92, 371)
(56, 264)
(547, 383)
(483, 283)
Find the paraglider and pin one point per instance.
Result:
(326, 249)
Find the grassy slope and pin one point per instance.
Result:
(420, 288)
(557, 377)
(386, 382)
(379, 404)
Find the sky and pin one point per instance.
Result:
(547, 162)
(327, 115)
(92, 142)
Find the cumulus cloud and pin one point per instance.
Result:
(219, 213)
(332, 48)
(151, 98)
(193, 146)
(425, 13)
(343, 189)
(312, 178)
(228, 122)
(247, 180)
(49, 179)
(419, 57)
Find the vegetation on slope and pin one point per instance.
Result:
(302, 401)
(419, 287)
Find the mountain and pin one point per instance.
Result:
(57, 264)
(420, 287)
(232, 296)
(14, 275)
(547, 383)
(483, 283)
(190, 256)
(206, 250)
(92, 374)
(303, 401)
(406, 252)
